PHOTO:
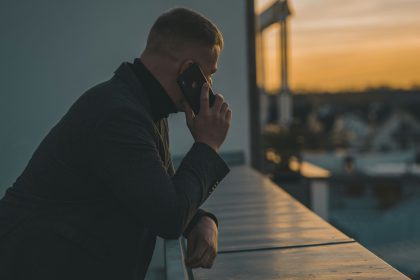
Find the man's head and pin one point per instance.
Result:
(178, 38)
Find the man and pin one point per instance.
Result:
(101, 186)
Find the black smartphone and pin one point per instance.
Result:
(191, 82)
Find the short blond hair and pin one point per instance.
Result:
(181, 27)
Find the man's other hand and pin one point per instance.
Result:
(202, 244)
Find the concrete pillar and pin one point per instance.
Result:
(320, 198)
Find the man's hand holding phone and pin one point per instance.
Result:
(211, 124)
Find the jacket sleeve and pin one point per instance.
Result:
(200, 212)
(130, 165)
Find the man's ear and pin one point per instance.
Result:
(184, 66)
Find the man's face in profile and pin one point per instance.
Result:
(208, 62)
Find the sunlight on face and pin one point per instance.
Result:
(207, 59)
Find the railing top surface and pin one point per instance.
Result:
(266, 234)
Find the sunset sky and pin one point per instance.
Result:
(337, 45)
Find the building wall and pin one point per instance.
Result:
(52, 51)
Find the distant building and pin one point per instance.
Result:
(401, 131)
(350, 130)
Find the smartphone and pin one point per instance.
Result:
(191, 82)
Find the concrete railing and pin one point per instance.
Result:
(264, 233)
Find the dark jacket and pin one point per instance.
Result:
(99, 189)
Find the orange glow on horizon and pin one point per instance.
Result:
(270, 46)
(339, 45)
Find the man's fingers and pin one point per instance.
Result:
(194, 259)
(189, 114)
(190, 248)
(199, 258)
(228, 115)
(224, 108)
(217, 103)
(204, 99)
(208, 260)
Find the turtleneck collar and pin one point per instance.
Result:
(161, 104)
